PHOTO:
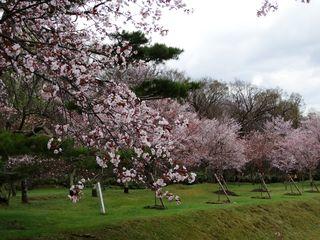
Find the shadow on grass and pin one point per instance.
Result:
(157, 207)
(230, 193)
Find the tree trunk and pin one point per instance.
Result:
(24, 191)
(4, 201)
(311, 180)
(23, 119)
(126, 188)
(13, 190)
(94, 192)
(156, 201)
(252, 178)
(302, 182)
(4, 195)
(206, 174)
(71, 177)
(285, 182)
(162, 204)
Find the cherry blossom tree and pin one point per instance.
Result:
(278, 127)
(296, 150)
(287, 149)
(199, 143)
(63, 45)
(306, 148)
(283, 136)
(265, 149)
(271, 6)
(203, 140)
(281, 156)
(260, 146)
(220, 148)
(62, 41)
(221, 145)
(312, 125)
(257, 148)
(185, 129)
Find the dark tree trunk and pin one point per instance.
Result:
(126, 188)
(71, 177)
(94, 192)
(311, 180)
(285, 182)
(22, 120)
(4, 201)
(156, 201)
(252, 178)
(24, 191)
(4, 195)
(13, 190)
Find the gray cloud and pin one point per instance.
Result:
(225, 40)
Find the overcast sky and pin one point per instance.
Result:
(225, 40)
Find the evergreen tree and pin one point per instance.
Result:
(143, 50)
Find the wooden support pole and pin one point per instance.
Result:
(223, 189)
(224, 182)
(264, 185)
(296, 186)
(316, 187)
(102, 208)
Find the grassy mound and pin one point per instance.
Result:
(294, 220)
(51, 216)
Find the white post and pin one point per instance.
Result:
(102, 208)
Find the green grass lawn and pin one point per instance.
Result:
(50, 215)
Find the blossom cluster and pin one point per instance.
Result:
(217, 143)
(75, 192)
(18, 161)
(54, 145)
(170, 196)
(6, 110)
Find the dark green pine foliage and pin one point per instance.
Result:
(164, 88)
(157, 53)
(142, 50)
(160, 53)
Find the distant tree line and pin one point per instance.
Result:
(249, 105)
